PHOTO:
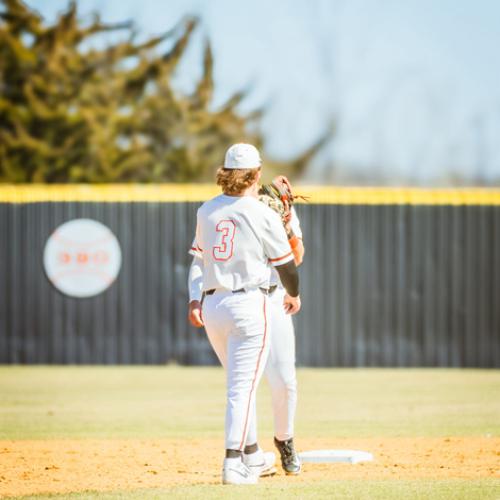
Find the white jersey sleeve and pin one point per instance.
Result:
(274, 239)
(195, 279)
(295, 224)
(195, 250)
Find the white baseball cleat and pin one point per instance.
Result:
(261, 463)
(235, 471)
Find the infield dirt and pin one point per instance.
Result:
(72, 465)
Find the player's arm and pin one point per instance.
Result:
(195, 286)
(294, 233)
(296, 245)
(279, 197)
(289, 278)
(281, 257)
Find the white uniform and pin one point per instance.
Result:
(280, 368)
(237, 238)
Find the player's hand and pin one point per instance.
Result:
(194, 313)
(291, 304)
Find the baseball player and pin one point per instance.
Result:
(280, 367)
(237, 237)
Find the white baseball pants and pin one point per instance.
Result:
(238, 328)
(280, 370)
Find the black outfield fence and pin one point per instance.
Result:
(390, 277)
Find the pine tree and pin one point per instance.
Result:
(70, 112)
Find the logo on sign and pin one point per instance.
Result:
(82, 258)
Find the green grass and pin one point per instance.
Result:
(149, 402)
(176, 402)
(359, 490)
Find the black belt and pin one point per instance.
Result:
(265, 291)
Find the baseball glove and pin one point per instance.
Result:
(278, 195)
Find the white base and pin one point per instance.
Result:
(335, 456)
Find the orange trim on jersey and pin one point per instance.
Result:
(254, 378)
(281, 258)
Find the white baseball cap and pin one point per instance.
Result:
(242, 156)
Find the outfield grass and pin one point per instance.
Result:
(176, 402)
(111, 402)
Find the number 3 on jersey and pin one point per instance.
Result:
(223, 248)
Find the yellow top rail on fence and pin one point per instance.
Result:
(124, 193)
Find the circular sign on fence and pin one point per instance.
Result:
(82, 258)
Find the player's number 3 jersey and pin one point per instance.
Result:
(237, 237)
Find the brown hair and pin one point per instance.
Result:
(235, 180)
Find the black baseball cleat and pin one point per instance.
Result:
(289, 458)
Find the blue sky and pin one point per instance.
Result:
(414, 85)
